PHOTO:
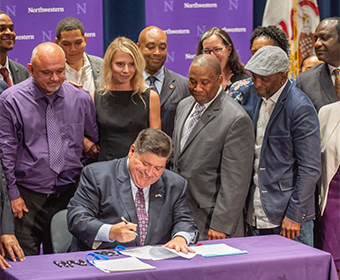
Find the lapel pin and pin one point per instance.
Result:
(171, 86)
(158, 195)
(97, 70)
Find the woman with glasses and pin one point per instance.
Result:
(217, 42)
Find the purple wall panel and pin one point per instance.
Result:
(184, 22)
(35, 22)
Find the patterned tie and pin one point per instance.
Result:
(195, 116)
(5, 74)
(337, 82)
(143, 219)
(55, 145)
(152, 80)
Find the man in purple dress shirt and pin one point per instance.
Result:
(36, 190)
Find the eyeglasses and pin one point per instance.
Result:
(215, 50)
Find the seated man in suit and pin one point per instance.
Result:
(139, 189)
(10, 71)
(81, 68)
(287, 151)
(171, 87)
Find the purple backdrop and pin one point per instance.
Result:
(35, 22)
(184, 22)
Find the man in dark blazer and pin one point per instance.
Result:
(17, 72)
(108, 191)
(318, 82)
(287, 151)
(217, 156)
(3, 86)
(81, 68)
(8, 239)
(172, 87)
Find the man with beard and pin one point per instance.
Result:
(10, 71)
(43, 123)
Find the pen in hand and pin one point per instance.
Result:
(126, 222)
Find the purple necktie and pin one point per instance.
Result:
(5, 74)
(55, 145)
(143, 219)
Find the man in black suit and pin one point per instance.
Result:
(318, 82)
(170, 86)
(136, 188)
(16, 72)
(7, 227)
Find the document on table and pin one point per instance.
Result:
(219, 249)
(122, 264)
(156, 253)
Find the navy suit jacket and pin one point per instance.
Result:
(317, 84)
(290, 160)
(3, 86)
(104, 195)
(175, 88)
(18, 71)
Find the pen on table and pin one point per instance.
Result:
(199, 244)
(57, 263)
(64, 264)
(126, 222)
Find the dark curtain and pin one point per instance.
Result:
(122, 18)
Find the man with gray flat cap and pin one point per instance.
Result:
(287, 151)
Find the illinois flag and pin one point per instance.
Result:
(298, 19)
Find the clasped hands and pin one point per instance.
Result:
(125, 232)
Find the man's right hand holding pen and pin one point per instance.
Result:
(123, 231)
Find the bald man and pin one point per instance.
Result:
(170, 86)
(213, 149)
(43, 123)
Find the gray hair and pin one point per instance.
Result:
(154, 141)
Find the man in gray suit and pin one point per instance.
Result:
(115, 196)
(213, 150)
(81, 68)
(170, 86)
(16, 72)
(318, 82)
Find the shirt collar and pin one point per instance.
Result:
(275, 97)
(6, 64)
(331, 68)
(159, 74)
(84, 68)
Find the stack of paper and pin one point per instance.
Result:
(122, 264)
(219, 249)
(156, 253)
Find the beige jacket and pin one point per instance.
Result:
(329, 116)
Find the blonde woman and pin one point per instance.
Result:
(124, 104)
